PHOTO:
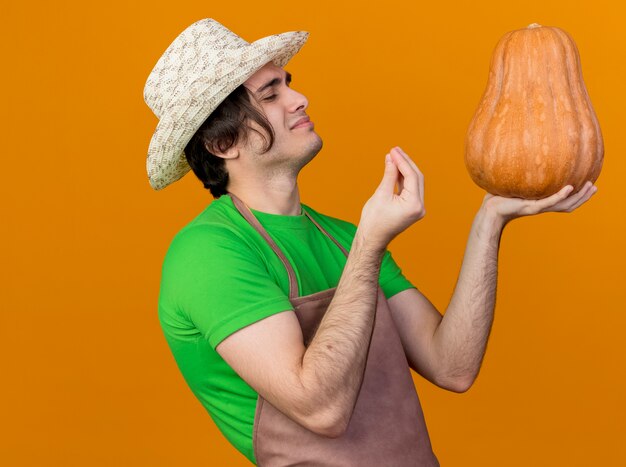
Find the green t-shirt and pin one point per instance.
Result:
(220, 275)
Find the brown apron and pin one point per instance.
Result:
(387, 426)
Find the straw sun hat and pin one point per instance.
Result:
(203, 65)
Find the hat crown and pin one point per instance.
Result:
(199, 52)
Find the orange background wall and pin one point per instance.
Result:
(87, 378)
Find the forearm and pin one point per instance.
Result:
(334, 363)
(460, 340)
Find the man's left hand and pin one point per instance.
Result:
(507, 209)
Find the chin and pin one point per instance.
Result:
(318, 143)
(309, 153)
(315, 147)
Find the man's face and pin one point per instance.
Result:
(294, 144)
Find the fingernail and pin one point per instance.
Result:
(388, 159)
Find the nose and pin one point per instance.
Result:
(297, 101)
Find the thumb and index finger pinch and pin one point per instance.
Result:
(413, 178)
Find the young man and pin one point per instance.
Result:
(296, 330)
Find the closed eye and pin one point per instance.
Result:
(272, 84)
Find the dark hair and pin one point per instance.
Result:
(226, 126)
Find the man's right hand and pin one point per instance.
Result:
(386, 213)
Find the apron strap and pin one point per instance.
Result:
(247, 214)
(345, 252)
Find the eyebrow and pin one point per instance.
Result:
(274, 82)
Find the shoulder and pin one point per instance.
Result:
(219, 224)
(217, 238)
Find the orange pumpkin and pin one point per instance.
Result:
(535, 130)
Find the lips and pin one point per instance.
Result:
(302, 120)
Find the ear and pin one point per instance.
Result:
(230, 153)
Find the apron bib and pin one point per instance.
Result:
(387, 426)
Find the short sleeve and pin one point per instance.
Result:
(218, 281)
(392, 280)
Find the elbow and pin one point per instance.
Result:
(334, 431)
(329, 426)
(321, 415)
(456, 384)
(461, 385)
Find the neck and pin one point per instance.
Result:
(276, 197)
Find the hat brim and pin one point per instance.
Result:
(166, 161)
